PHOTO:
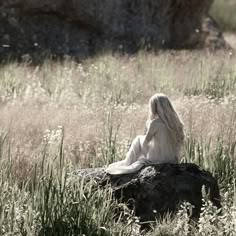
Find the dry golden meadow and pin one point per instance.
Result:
(62, 116)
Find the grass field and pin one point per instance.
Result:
(62, 116)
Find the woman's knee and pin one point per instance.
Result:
(137, 139)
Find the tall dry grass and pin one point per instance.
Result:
(85, 115)
(90, 99)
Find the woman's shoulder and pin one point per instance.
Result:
(156, 122)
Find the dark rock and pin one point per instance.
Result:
(156, 190)
(81, 28)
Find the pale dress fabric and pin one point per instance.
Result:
(156, 147)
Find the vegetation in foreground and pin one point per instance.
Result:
(59, 117)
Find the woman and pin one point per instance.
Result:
(161, 143)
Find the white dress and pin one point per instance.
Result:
(156, 147)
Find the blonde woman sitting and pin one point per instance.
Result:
(161, 143)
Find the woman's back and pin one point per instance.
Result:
(162, 148)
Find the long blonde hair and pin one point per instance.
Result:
(160, 105)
